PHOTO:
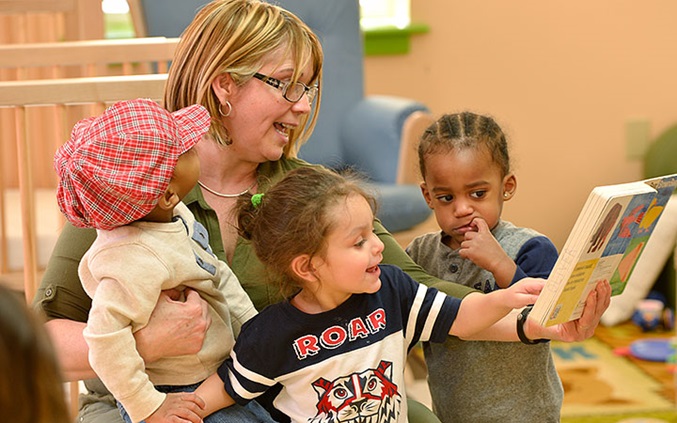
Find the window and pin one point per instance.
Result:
(117, 20)
(115, 6)
(387, 26)
(384, 13)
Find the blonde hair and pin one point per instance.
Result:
(235, 37)
(31, 386)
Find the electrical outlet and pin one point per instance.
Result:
(636, 138)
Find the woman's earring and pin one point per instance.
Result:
(230, 109)
(505, 195)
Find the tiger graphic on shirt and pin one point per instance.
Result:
(369, 396)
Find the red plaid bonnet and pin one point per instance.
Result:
(115, 167)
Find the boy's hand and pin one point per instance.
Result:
(178, 408)
(481, 248)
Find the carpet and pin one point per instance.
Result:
(596, 382)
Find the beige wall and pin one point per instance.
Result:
(561, 78)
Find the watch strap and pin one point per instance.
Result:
(521, 320)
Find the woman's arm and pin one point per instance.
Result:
(175, 328)
(71, 348)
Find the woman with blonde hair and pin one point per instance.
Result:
(257, 68)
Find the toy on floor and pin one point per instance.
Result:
(656, 349)
(651, 314)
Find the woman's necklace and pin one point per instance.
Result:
(219, 194)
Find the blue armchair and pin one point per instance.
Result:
(375, 135)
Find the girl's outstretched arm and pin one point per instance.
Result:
(480, 311)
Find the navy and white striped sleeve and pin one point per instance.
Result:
(427, 313)
(240, 383)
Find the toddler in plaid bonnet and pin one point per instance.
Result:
(115, 167)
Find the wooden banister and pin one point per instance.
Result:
(87, 52)
(81, 90)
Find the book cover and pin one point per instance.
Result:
(605, 243)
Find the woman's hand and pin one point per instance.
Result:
(176, 327)
(576, 330)
(178, 408)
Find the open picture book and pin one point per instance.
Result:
(605, 243)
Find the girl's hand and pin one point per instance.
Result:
(479, 313)
(481, 248)
(176, 326)
(522, 293)
(178, 408)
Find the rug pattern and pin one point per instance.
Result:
(597, 381)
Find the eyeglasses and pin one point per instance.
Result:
(291, 91)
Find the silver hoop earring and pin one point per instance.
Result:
(230, 109)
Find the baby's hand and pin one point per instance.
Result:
(481, 248)
(523, 292)
(178, 408)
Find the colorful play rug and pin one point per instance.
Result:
(598, 382)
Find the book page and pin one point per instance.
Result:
(594, 254)
(606, 242)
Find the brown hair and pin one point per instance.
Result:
(31, 387)
(464, 130)
(294, 218)
(236, 36)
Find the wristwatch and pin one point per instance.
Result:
(521, 319)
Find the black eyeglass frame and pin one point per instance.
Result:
(311, 92)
